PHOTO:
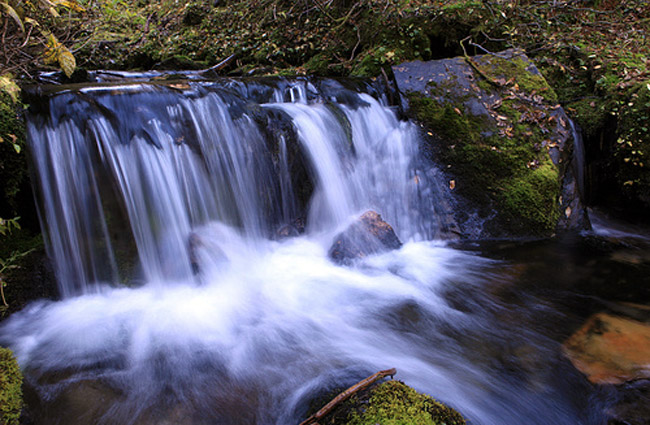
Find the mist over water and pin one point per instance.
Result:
(221, 321)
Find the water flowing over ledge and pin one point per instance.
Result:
(184, 190)
(168, 159)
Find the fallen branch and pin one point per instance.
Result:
(221, 65)
(313, 419)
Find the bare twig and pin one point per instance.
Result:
(221, 65)
(356, 46)
(313, 419)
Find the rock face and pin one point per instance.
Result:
(368, 235)
(508, 146)
(610, 349)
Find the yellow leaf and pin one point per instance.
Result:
(9, 86)
(67, 61)
(31, 21)
(51, 53)
(57, 53)
(70, 4)
(12, 13)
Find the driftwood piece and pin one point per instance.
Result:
(313, 419)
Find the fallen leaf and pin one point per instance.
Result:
(452, 184)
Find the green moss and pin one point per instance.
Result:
(521, 72)
(393, 403)
(532, 199)
(13, 165)
(442, 117)
(11, 394)
(590, 114)
(500, 163)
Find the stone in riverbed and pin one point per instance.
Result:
(611, 349)
(369, 234)
(392, 402)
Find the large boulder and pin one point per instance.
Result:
(369, 234)
(495, 125)
(611, 349)
(614, 351)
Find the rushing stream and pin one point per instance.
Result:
(192, 295)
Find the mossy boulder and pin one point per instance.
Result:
(11, 395)
(391, 403)
(394, 403)
(495, 125)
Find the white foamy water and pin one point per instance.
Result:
(226, 324)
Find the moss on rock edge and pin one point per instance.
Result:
(394, 403)
(11, 394)
(502, 137)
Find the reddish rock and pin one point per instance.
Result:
(610, 349)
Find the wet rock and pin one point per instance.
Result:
(368, 235)
(79, 403)
(633, 406)
(392, 402)
(497, 128)
(611, 349)
(289, 230)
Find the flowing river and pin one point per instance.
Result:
(190, 223)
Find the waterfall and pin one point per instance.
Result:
(189, 223)
(153, 163)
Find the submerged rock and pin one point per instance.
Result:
(368, 235)
(504, 139)
(633, 405)
(611, 349)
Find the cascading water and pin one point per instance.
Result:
(181, 188)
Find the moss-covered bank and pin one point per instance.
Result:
(24, 271)
(632, 152)
(11, 394)
(13, 162)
